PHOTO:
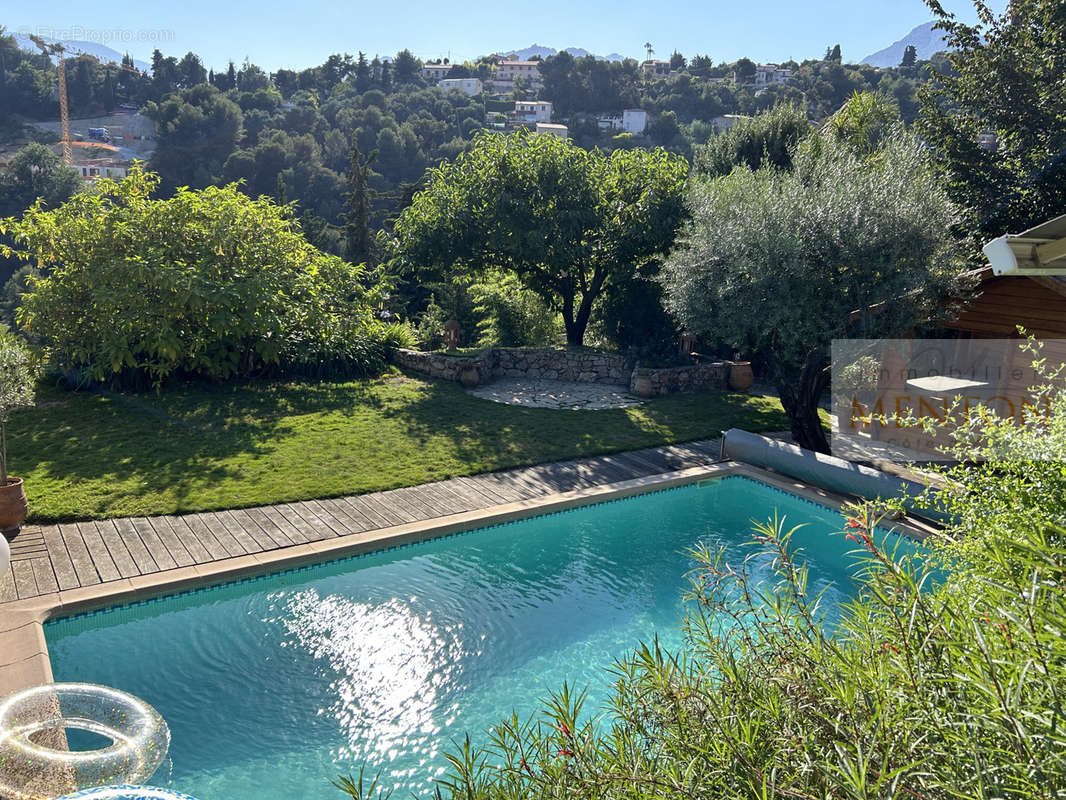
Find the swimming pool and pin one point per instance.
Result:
(273, 686)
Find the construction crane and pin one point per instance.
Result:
(49, 48)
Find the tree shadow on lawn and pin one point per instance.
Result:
(172, 442)
(492, 435)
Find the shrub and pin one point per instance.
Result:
(511, 315)
(18, 375)
(206, 283)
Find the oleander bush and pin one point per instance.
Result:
(214, 284)
(942, 678)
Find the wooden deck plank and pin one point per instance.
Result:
(137, 550)
(492, 488)
(25, 582)
(197, 549)
(313, 529)
(243, 526)
(235, 534)
(219, 536)
(369, 514)
(189, 532)
(66, 576)
(443, 502)
(105, 564)
(251, 525)
(8, 592)
(343, 512)
(79, 555)
(324, 517)
(171, 542)
(153, 544)
(43, 575)
(463, 495)
(277, 520)
(409, 500)
(116, 548)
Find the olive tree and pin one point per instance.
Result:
(565, 221)
(777, 264)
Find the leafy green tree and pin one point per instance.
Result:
(997, 121)
(769, 138)
(777, 264)
(910, 56)
(566, 221)
(677, 61)
(196, 130)
(745, 69)
(206, 283)
(405, 67)
(33, 173)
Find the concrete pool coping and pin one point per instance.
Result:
(24, 657)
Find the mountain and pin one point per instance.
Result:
(100, 51)
(925, 40)
(527, 53)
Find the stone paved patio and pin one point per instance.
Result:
(565, 395)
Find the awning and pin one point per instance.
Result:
(1037, 251)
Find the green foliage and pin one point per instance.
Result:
(566, 221)
(18, 376)
(769, 138)
(863, 121)
(196, 130)
(931, 683)
(775, 263)
(35, 172)
(512, 316)
(1006, 81)
(206, 283)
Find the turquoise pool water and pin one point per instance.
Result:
(274, 686)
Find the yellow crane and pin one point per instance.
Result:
(48, 48)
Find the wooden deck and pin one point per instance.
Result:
(52, 558)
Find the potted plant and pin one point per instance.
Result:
(17, 377)
(741, 377)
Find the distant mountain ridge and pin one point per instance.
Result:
(100, 51)
(926, 41)
(527, 53)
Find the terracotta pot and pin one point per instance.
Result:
(469, 377)
(13, 504)
(642, 386)
(740, 376)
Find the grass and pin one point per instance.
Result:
(197, 448)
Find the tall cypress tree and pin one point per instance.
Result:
(357, 199)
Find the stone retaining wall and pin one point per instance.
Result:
(564, 365)
(712, 377)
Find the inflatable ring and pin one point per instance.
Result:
(35, 763)
(127, 793)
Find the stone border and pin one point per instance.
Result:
(24, 650)
(566, 365)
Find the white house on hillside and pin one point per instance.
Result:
(470, 86)
(766, 74)
(633, 120)
(659, 68)
(533, 111)
(434, 73)
(508, 71)
(554, 130)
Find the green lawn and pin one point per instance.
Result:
(199, 448)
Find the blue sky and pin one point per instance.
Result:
(302, 33)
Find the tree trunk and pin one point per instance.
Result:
(800, 398)
(575, 324)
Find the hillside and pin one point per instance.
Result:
(527, 53)
(100, 51)
(926, 41)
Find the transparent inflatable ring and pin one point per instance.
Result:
(127, 793)
(35, 763)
